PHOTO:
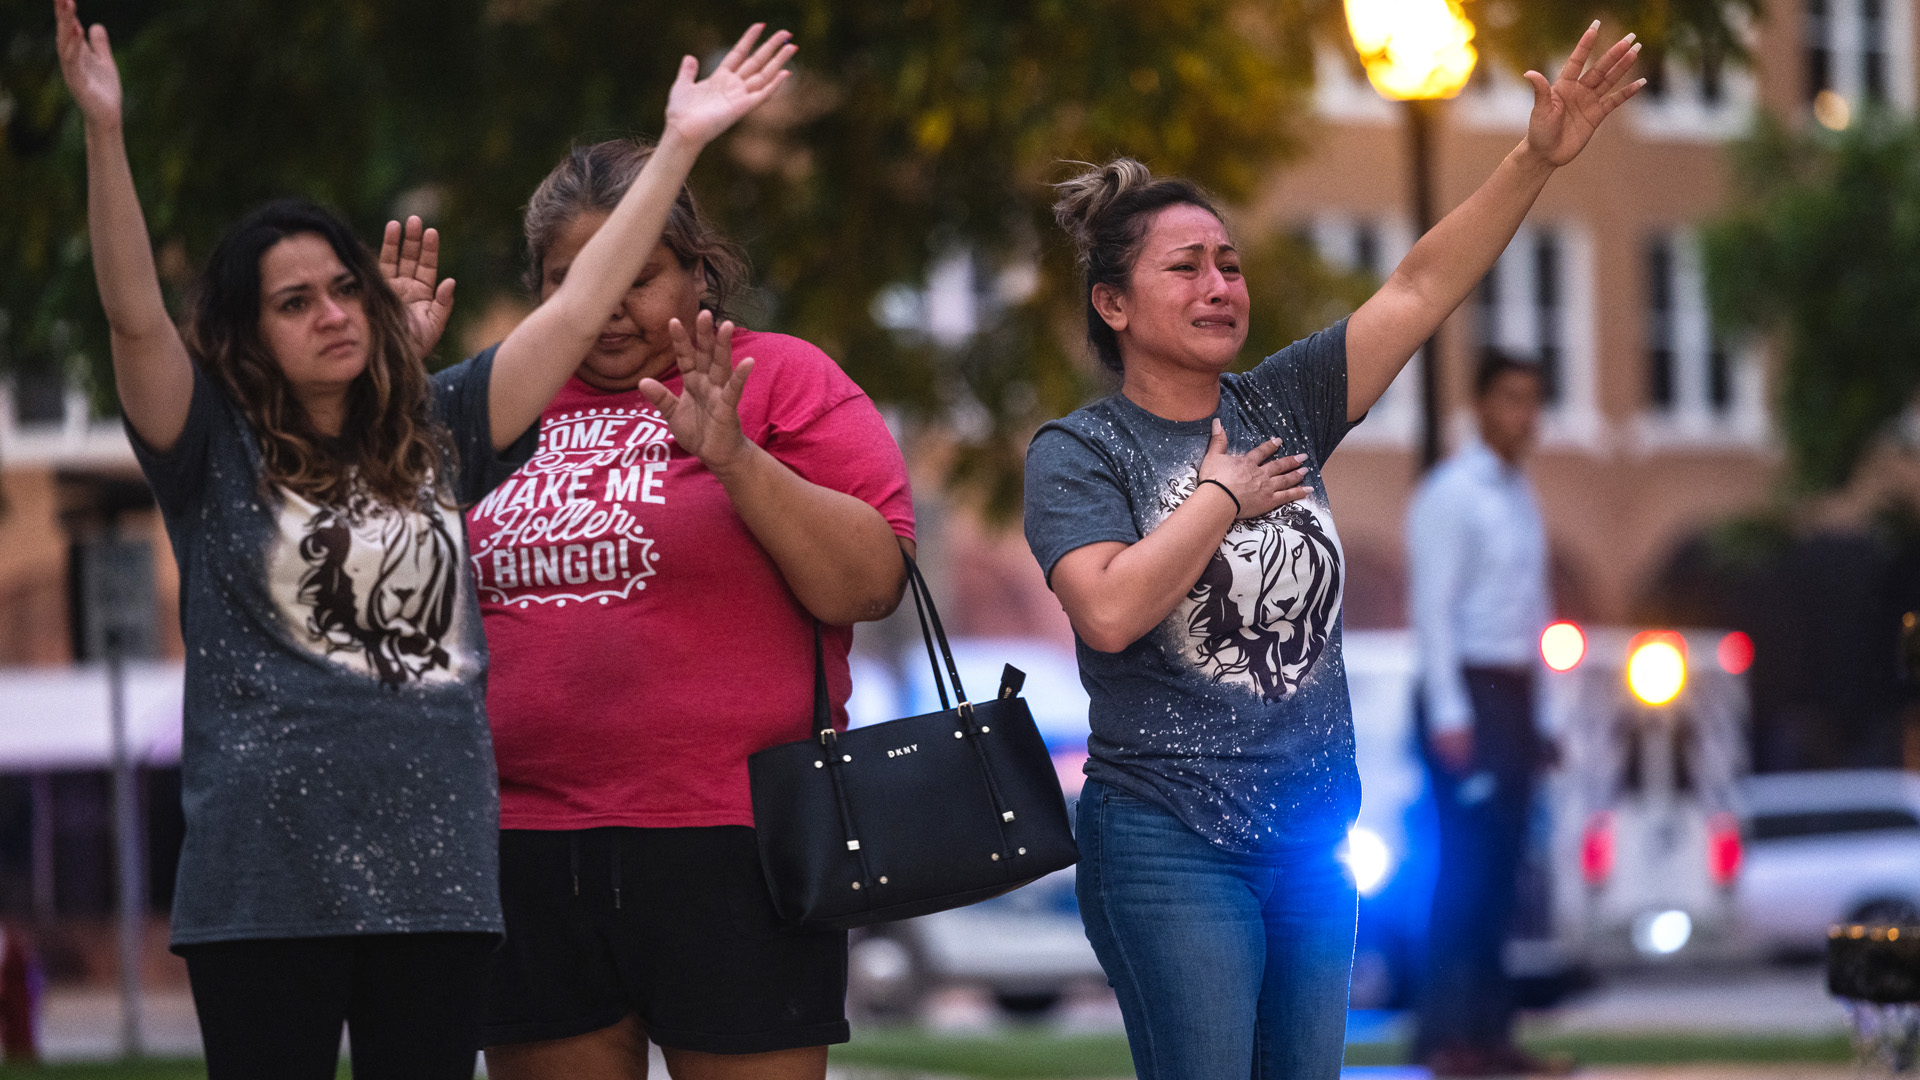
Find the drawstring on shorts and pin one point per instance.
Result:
(573, 859)
(613, 858)
(615, 838)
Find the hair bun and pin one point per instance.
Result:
(1107, 210)
(1087, 195)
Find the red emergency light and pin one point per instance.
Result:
(1563, 646)
(1735, 653)
(1724, 850)
(1596, 848)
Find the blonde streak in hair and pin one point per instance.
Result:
(397, 468)
(1085, 196)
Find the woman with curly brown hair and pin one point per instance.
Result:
(340, 862)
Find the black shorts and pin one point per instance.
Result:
(672, 925)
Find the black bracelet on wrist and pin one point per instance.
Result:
(1225, 488)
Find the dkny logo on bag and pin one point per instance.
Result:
(903, 751)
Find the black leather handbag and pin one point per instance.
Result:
(910, 816)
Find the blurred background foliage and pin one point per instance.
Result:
(1823, 251)
(919, 135)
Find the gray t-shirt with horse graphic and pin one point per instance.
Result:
(336, 769)
(1233, 713)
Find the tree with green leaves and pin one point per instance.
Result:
(1823, 251)
(917, 130)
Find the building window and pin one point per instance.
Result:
(1661, 316)
(1699, 388)
(1522, 310)
(1857, 49)
(1537, 304)
(1687, 363)
(1669, 79)
(1374, 246)
(1549, 315)
(1702, 98)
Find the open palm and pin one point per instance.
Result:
(86, 63)
(746, 77)
(1568, 111)
(410, 262)
(705, 416)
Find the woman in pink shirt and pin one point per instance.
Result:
(709, 511)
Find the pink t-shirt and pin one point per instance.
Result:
(643, 643)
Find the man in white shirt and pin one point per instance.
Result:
(1477, 555)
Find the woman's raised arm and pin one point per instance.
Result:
(536, 359)
(1455, 254)
(150, 365)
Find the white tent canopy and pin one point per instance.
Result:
(57, 718)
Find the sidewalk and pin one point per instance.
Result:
(1751, 1001)
(84, 1025)
(1408, 1072)
(81, 1025)
(1650, 1073)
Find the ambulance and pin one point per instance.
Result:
(1636, 843)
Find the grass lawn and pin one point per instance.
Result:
(145, 1070)
(142, 1070)
(1015, 1053)
(1035, 1054)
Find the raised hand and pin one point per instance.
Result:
(705, 416)
(86, 62)
(701, 110)
(410, 261)
(1568, 111)
(1259, 481)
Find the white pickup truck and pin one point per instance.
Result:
(1828, 847)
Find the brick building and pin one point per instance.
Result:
(1657, 427)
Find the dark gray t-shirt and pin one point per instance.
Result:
(1233, 713)
(337, 774)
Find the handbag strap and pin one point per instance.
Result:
(832, 757)
(931, 630)
(926, 635)
(822, 709)
(970, 728)
(923, 606)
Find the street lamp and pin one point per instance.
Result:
(1418, 52)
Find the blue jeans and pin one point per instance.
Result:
(1228, 967)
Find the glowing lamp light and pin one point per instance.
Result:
(1369, 860)
(1562, 646)
(1657, 666)
(1735, 653)
(1413, 49)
